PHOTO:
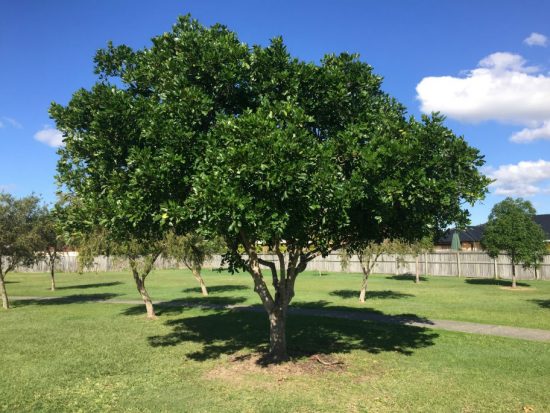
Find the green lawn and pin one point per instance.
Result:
(74, 355)
(475, 300)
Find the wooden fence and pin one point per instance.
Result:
(446, 263)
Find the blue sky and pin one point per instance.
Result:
(486, 65)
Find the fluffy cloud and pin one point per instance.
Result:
(49, 136)
(522, 179)
(532, 134)
(536, 39)
(502, 88)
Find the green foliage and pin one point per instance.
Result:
(249, 140)
(48, 230)
(511, 230)
(192, 249)
(19, 239)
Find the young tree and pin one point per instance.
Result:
(51, 242)
(416, 249)
(193, 250)
(368, 257)
(18, 240)
(511, 230)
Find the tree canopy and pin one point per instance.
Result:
(200, 131)
(512, 230)
(19, 239)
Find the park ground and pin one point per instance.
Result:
(73, 353)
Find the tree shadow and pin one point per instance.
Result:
(177, 306)
(406, 277)
(217, 289)
(69, 299)
(11, 282)
(492, 281)
(229, 332)
(542, 303)
(86, 286)
(370, 294)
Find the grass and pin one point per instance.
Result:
(447, 298)
(73, 355)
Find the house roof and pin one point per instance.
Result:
(474, 233)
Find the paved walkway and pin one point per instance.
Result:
(532, 334)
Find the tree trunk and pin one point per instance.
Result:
(513, 274)
(5, 301)
(277, 335)
(363, 292)
(52, 275)
(197, 275)
(416, 267)
(140, 284)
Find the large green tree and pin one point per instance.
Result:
(325, 161)
(259, 147)
(18, 237)
(511, 230)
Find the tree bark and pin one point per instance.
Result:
(140, 285)
(52, 274)
(513, 274)
(363, 292)
(197, 275)
(4, 294)
(277, 335)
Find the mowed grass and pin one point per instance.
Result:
(475, 300)
(90, 357)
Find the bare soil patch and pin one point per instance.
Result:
(239, 366)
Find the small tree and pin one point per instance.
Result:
(193, 250)
(416, 249)
(511, 230)
(368, 257)
(50, 240)
(18, 239)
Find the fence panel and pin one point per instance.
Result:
(445, 263)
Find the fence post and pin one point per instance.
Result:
(458, 263)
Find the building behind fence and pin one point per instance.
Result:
(445, 263)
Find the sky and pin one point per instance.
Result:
(484, 64)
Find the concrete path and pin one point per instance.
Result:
(531, 334)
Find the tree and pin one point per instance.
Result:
(18, 239)
(368, 256)
(511, 230)
(51, 242)
(260, 148)
(416, 249)
(193, 250)
(325, 160)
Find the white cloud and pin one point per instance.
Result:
(50, 136)
(536, 39)
(502, 88)
(525, 178)
(532, 134)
